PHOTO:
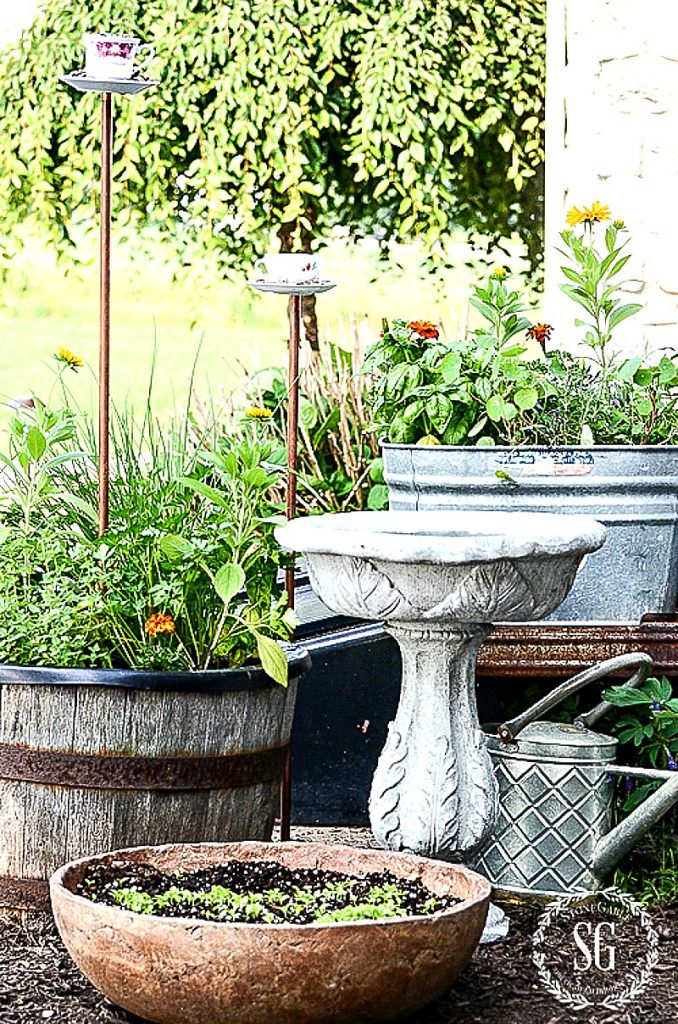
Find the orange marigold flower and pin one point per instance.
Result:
(540, 332)
(159, 623)
(424, 328)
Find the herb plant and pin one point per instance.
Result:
(338, 464)
(497, 386)
(650, 724)
(185, 576)
(352, 900)
(646, 724)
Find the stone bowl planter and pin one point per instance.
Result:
(181, 971)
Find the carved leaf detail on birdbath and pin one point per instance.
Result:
(385, 796)
(369, 591)
(487, 593)
(439, 809)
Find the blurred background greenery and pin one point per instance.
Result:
(45, 304)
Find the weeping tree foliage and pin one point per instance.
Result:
(397, 118)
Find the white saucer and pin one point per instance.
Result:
(127, 86)
(263, 284)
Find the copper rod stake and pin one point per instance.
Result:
(291, 509)
(105, 304)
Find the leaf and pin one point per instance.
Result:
(273, 659)
(229, 580)
(205, 490)
(639, 795)
(377, 498)
(628, 369)
(623, 313)
(660, 689)
(175, 547)
(35, 443)
(623, 696)
(82, 506)
(526, 398)
(450, 367)
(495, 407)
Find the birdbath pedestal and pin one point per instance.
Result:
(439, 580)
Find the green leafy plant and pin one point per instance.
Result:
(650, 724)
(497, 386)
(185, 577)
(646, 723)
(338, 464)
(329, 903)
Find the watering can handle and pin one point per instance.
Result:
(641, 663)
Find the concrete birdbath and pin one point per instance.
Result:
(439, 580)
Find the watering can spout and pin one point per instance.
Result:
(612, 847)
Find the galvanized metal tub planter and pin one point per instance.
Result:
(185, 971)
(632, 490)
(91, 760)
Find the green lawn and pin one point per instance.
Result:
(43, 306)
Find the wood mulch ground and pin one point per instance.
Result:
(39, 982)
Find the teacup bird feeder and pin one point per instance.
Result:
(106, 87)
(295, 291)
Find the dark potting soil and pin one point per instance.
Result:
(287, 896)
(39, 983)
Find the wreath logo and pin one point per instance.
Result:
(580, 953)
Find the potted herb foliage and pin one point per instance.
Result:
(145, 695)
(494, 421)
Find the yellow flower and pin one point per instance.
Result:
(596, 212)
(64, 355)
(575, 217)
(498, 272)
(589, 215)
(257, 412)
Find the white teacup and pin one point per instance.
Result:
(290, 267)
(112, 57)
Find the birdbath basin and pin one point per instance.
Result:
(439, 580)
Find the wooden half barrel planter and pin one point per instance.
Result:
(94, 760)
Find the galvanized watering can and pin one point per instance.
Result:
(555, 831)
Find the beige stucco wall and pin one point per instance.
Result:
(612, 135)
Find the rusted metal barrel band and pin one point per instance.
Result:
(24, 894)
(122, 771)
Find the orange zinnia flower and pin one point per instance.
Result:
(424, 328)
(159, 623)
(540, 332)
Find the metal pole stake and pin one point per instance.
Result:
(291, 508)
(105, 304)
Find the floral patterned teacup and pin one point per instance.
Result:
(112, 57)
(290, 267)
